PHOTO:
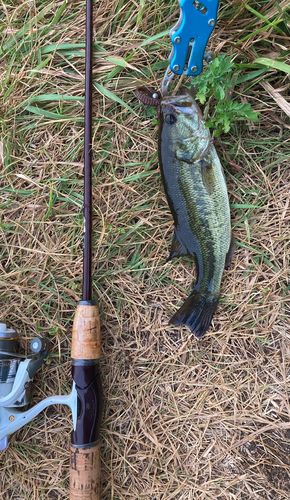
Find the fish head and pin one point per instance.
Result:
(181, 122)
(180, 114)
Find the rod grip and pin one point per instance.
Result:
(86, 334)
(85, 447)
(85, 473)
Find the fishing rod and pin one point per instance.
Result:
(17, 371)
(86, 336)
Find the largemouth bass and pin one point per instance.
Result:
(197, 196)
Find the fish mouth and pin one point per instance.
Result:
(180, 104)
(185, 100)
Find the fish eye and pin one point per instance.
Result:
(171, 119)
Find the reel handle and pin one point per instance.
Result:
(85, 448)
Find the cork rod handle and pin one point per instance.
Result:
(86, 334)
(85, 447)
(85, 473)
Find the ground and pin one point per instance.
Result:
(183, 419)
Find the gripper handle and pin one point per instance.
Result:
(85, 447)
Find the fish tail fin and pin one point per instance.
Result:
(196, 313)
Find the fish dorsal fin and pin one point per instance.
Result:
(177, 247)
(208, 177)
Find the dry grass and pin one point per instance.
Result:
(183, 419)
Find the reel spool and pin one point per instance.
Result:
(8, 363)
(16, 376)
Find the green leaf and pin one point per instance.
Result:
(250, 76)
(50, 202)
(219, 92)
(215, 65)
(110, 95)
(215, 82)
(62, 46)
(243, 205)
(53, 116)
(270, 63)
(40, 66)
(58, 47)
(118, 61)
(201, 97)
(155, 37)
(55, 97)
(59, 13)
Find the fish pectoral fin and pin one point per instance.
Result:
(184, 151)
(177, 247)
(208, 177)
(231, 252)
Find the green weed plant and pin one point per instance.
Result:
(214, 87)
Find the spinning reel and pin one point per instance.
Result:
(16, 376)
